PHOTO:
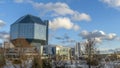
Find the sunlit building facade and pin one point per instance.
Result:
(63, 51)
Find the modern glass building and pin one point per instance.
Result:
(31, 28)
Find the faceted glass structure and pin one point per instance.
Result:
(31, 28)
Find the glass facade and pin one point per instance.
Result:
(14, 31)
(22, 30)
(31, 28)
(26, 30)
(40, 31)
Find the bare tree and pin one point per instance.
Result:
(90, 50)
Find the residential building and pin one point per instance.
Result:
(47, 51)
(78, 51)
(21, 50)
(20, 53)
(62, 52)
(56, 52)
(72, 52)
(8, 44)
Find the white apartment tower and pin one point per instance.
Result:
(78, 51)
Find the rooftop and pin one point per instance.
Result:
(30, 19)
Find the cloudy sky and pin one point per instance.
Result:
(70, 20)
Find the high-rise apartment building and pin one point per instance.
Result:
(78, 51)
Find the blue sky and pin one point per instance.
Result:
(79, 15)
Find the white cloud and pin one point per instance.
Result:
(111, 36)
(60, 9)
(98, 35)
(112, 3)
(98, 40)
(76, 27)
(64, 22)
(94, 34)
(4, 35)
(61, 23)
(81, 16)
(69, 41)
(63, 16)
(118, 38)
(84, 33)
(2, 23)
